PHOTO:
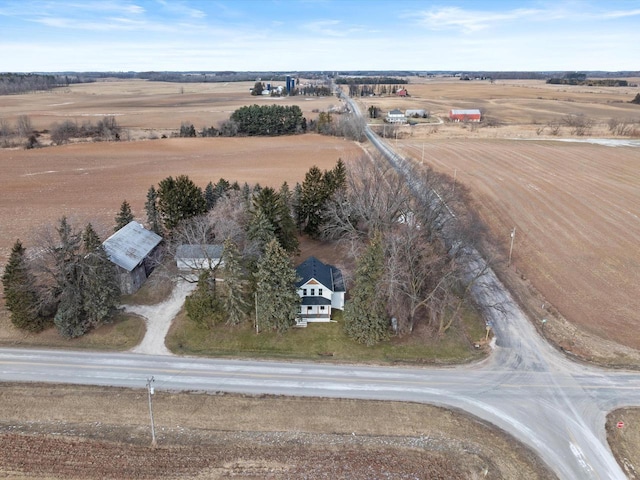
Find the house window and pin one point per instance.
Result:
(319, 291)
(304, 292)
(309, 308)
(313, 292)
(322, 307)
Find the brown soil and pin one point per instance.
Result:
(575, 210)
(91, 432)
(89, 181)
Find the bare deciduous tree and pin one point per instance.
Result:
(375, 198)
(24, 126)
(580, 124)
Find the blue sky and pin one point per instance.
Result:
(122, 35)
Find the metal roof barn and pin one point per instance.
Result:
(130, 245)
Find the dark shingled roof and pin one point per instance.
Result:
(327, 275)
(315, 301)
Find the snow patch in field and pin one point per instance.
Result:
(606, 142)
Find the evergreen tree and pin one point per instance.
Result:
(222, 187)
(202, 306)
(210, 196)
(85, 281)
(70, 319)
(286, 196)
(246, 191)
(153, 215)
(20, 294)
(277, 297)
(336, 179)
(365, 318)
(234, 300)
(100, 289)
(296, 205)
(279, 216)
(260, 229)
(179, 199)
(313, 197)
(124, 216)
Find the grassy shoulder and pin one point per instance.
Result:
(124, 332)
(327, 341)
(624, 439)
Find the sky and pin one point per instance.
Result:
(319, 35)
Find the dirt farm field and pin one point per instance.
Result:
(94, 432)
(89, 181)
(576, 210)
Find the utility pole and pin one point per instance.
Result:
(153, 427)
(256, 297)
(513, 235)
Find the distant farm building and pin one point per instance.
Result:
(416, 113)
(402, 92)
(396, 116)
(132, 249)
(473, 115)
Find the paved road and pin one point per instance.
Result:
(526, 387)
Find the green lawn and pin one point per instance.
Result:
(326, 341)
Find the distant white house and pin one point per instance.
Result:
(396, 116)
(132, 250)
(198, 257)
(321, 288)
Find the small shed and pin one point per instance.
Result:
(133, 250)
(198, 257)
(473, 115)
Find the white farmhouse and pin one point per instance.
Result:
(396, 116)
(321, 288)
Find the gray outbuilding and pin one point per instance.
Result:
(133, 249)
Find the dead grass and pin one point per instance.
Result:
(213, 436)
(624, 441)
(123, 333)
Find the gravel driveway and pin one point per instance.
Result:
(158, 318)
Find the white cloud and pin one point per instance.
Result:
(622, 13)
(470, 20)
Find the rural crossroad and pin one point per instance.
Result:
(525, 387)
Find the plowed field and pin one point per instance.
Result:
(89, 181)
(56, 431)
(576, 210)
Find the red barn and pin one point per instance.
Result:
(465, 115)
(402, 93)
